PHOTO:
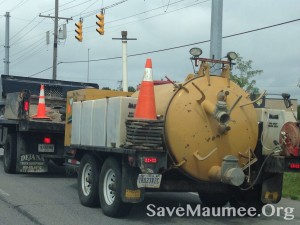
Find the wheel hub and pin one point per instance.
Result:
(86, 179)
(109, 187)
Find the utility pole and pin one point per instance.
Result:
(124, 58)
(88, 69)
(6, 46)
(56, 18)
(216, 32)
(54, 73)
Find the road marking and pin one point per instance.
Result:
(2, 192)
(193, 193)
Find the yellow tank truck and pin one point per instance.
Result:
(206, 140)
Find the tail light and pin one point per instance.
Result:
(26, 106)
(150, 160)
(294, 166)
(47, 140)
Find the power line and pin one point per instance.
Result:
(60, 6)
(2, 2)
(150, 17)
(22, 2)
(23, 28)
(32, 75)
(88, 6)
(27, 32)
(172, 48)
(160, 14)
(29, 50)
(17, 18)
(91, 13)
(74, 5)
(137, 14)
(186, 45)
(38, 35)
(29, 56)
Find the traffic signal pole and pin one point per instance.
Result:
(124, 58)
(56, 18)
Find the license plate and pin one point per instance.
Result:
(45, 148)
(149, 180)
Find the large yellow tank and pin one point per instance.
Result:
(207, 119)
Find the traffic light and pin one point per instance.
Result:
(79, 31)
(100, 23)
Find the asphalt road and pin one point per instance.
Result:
(51, 199)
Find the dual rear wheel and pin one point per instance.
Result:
(101, 185)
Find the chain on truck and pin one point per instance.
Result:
(29, 144)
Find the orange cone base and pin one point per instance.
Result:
(41, 113)
(41, 117)
(145, 107)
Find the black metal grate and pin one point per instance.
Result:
(53, 91)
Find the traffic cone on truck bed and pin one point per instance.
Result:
(145, 107)
(41, 109)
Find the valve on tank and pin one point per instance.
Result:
(290, 139)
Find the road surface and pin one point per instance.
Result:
(51, 199)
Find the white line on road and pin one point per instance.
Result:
(2, 192)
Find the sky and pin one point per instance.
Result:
(157, 25)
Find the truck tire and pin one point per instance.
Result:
(110, 192)
(246, 200)
(10, 153)
(88, 181)
(213, 199)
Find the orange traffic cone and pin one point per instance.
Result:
(41, 110)
(145, 107)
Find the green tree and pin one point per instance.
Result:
(106, 88)
(243, 75)
(131, 89)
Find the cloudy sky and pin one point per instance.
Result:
(157, 24)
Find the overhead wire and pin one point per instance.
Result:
(23, 28)
(2, 2)
(186, 45)
(74, 6)
(91, 13)
(22, 2)
(32, 54)
(93, 3)
(29, 48)
(150, 17)
(28, 32)
(60, 6)
(160, 14)
(17, 18)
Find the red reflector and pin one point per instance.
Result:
(150, 160)
(295, 166)
(26, 106)
(47, 140)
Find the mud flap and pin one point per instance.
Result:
(130, 192)
(272, 188)
(27, 159)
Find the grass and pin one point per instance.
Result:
(291, 186)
